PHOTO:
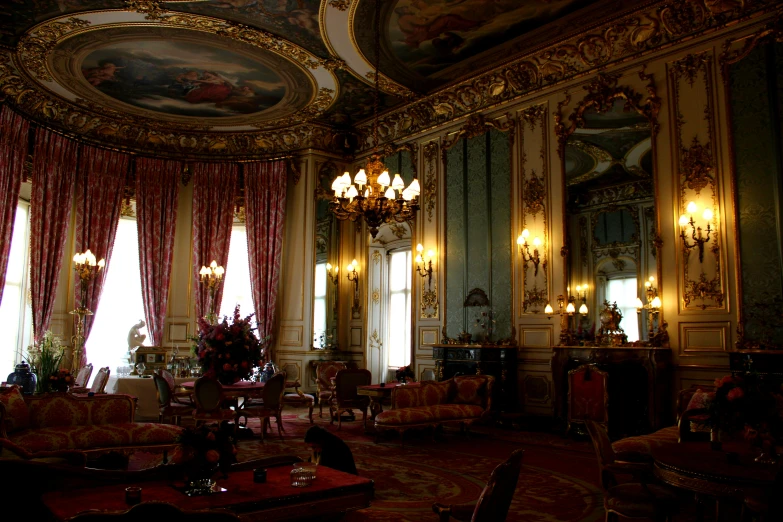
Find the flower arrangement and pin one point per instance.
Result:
(749, 405)
(205, 449)
(405, 373)
(61, 380)
(228, 352)
(45, 359)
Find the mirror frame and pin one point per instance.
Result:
(602, 92)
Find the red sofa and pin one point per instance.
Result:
(460, 400)
(63, 421)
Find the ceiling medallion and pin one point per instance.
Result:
(177, 71)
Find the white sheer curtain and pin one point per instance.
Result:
(236, 288)
(319, 306)
(15, 308)
(121, 306)
(399, 308)
(623, 291)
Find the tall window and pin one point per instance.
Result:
(399, 308)
(236, 288)
(623, 291)
(121, 305)
(319, 306)
(14, 308)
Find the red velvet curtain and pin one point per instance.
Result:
(265, 191)
(54, 169)
(214, 189)
(13, 151)
(157, 186)
(99, 188)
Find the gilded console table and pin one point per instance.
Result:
(639, 382)
(477, 359)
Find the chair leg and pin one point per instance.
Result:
(320, 409)
(339, 419)
(280, 425)
(311, 411)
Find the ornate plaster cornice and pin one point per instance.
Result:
(641, 32)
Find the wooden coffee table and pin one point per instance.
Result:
(332, 493)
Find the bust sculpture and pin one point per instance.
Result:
(135, 339)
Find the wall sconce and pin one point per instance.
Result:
(696, 232)
(332, 272)
(581, 295)
(653, 306)
(524, 250)
(570, 308)
(424, 264)
(353, 272)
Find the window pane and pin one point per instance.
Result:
(320, 280)
(623, 291)
(13, 305)
(399, 308)
(319, 306)
(121, 304)
(236, 289)
(398, 279)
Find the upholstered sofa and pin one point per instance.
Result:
(460, 400)
(690, 410)
(63, 421)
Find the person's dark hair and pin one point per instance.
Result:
(315, 435)
(335, 453)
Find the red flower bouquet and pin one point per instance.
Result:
(202, 452)
(745, 404)
(60, 381)
(228, 352)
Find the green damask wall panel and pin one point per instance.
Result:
(756, 97)
(500, 210)
(478, 231)
(400, 163)
(455, 239)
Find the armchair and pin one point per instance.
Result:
(345, 397)
(495, 499)
(324, 373)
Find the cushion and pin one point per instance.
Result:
(445, 412)
(17, 415)
(470, 389)
(63, 409)
(404, 417)
(434, 393)
(406, 397)
(92, 437)
(644, 444)
(700, 400)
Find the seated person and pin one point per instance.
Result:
(329, 450)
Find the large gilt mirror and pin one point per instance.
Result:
(611, 263)
(327, 264)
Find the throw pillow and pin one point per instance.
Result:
(17, 416)
(470, 390)
(700, 400)
(434, 393)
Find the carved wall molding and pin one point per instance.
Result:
(691, 78)
(476, 125)
(429, 304)
(735, 50)
(639, 33)
(340, 5)
(430, 177)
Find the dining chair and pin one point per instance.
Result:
(169, 408)
(272, 406)
(345, 396)
(629, 499)
(299, 398)
(147, 511)
(101, 378)
(83, 377)
(324, 373)
(495, 500)
(208, 393)
(180, 395)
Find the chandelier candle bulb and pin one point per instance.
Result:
(570, 308)
(639, 305)
(656, 302)
(583, 309)
(549, 310)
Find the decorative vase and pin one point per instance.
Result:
(715, 442)
(25, 378)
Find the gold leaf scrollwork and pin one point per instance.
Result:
(703, 290)
(376, 296)
(690, 67)
(340, 5)
(476, 125)
(533, 194)
(430, 180)
(696, 163)
(429, 304)
(36, 46)
(152, 8)
(376, 257)
(375, 340)
(534, 297)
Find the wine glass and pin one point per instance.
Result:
(140, 367)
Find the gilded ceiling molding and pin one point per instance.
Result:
(340, 5)
(642, 32)
(476, 125)
(151, 8)
(697, 175)
(430, 177)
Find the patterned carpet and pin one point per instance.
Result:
(558, 480)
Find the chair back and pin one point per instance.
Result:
(164, 394)
(495, 500)
(147, 511)
(208, 393)
(588, 394)
(170, 382)
(273, 391)
(603, 450)
(324, 373)
(99, 383)
(346, 381)
(83, 377)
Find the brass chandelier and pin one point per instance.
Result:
(372, 194)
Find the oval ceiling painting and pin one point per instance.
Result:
(183, 78)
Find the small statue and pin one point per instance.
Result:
(135, 339)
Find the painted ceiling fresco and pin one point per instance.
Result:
(183, 78)
(356, 101)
